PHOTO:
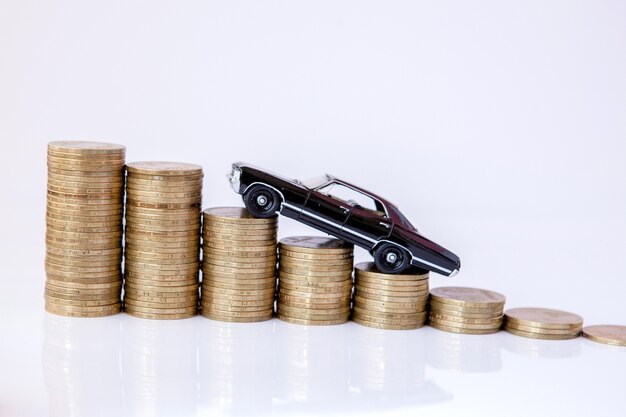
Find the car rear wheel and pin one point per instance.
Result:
(391, 259)
(261, 201)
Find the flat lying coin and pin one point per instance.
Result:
(607, 334)
(543, 317)
(468, 297)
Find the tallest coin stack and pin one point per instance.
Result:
(84, 212)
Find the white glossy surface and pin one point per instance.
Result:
(497, 127)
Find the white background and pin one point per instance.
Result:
(498, 127)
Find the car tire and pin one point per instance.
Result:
(391, 259)
(262, 201)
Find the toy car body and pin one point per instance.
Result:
(347, 212)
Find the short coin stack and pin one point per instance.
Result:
(314, 280)
(466, 310)
(542, 323)
(389, 301)
(238, 266)
(162, 253)
(84, 213)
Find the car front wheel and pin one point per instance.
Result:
(391, 259)
(261, 201)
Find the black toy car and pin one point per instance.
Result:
(347, 212)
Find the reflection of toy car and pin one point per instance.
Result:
(347, 212)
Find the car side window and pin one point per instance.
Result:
(347, 195)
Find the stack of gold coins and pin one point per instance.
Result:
(389, 301)
(314, 280)
(162, 252)
(542, 323)
(84, 213)
(466, 310)
(238, 266)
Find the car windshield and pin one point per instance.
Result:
(313, 183)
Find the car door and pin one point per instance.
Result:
(366, 227)
(325, 212)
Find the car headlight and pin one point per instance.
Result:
(234, 178)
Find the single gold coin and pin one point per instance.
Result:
(467, 297)
(321, 267)
(166, 179)
(78, 303)
(358, 300)
(163, 168)
(162, 316)
(535, 335)
(388, 326)
(415, 315)
(467, 321)
(368, 269)
(345, 263)
(315, 244)
(161, 305)
(84, 312)
(311, 257)
(321, 297)
(309, 322)
(224, 308)
(543, 317)
(239, 294)
(238, 314)
(607, 334)
(391, 282)
(310, 278)
(238, 285)
(177, 290)
(163, 206)
(139, 274)
(423, 300)
(85, 147)
(461, 330)
(315, 283)
(297, 313)
(464, 325)
(532, 329)
(314, 273)
(400, 290)
(464, 315)
(156, 310)
(214, 315)
(238, 215)
(321, 290)
(310, 299)
(435, 305)
(243, 263)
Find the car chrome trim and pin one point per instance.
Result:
(456, 271)
(425, 262)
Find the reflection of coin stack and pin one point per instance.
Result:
(387, 301)
(162, 250)
(239, 265)
(466, 310)
(84, 228)
(315, 280)
(543, 323)
(384, 364)
(76, 383)
(159, 364)
(313, 372)
(236, 368)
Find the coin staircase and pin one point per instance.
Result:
(133, 238)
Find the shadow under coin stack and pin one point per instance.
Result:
(162, 252)
(84, 212)
(389, 301)
(543, 323)
(314, 280)
(466, 310)
(238, 266)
